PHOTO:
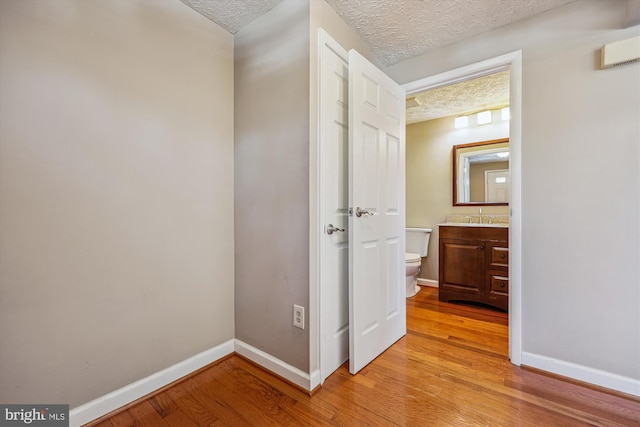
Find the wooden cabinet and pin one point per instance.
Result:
(474, 265)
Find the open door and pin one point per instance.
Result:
(333, 124)
(377, 310)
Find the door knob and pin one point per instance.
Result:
(360, 212)
(331, 229)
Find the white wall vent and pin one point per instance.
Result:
(620, 53)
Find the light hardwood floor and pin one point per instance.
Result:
(451, 369)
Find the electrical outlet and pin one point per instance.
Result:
(298, 316)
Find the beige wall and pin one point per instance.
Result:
(272, 181)
(116, 187)
(276, 176)
(430, 177)
(116, 208)
(580, 181)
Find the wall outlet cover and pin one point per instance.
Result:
(298, 316)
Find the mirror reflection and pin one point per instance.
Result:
(481, 173)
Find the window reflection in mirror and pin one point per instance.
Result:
(481, 173)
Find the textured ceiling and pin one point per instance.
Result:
(470, 96)
(396, 30)
(231, 14)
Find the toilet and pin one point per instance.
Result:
(417, 246)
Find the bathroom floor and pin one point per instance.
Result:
(461, 325)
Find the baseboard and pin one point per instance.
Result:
(582, 373)
(314, 380)
(277, 366)
(428, 282)
(129, 393)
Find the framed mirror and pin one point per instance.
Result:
(481, 173)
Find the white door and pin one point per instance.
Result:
(497, 187)
(334, 249)
(377, 310)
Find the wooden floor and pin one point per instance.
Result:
(451, 369)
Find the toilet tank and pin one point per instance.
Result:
(418, 240)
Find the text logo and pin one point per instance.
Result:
(34, 415)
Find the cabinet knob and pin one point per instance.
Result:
(502, 256)
(502, 284)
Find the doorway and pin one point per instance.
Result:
(323, 309)
(512, 62)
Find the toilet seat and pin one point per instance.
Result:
(411, 257)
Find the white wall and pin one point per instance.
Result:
(116, 194)
(580, 184)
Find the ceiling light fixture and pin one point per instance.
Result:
(484, 117)
(461, 122)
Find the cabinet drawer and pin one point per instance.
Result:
(498, 256)
(498, 285)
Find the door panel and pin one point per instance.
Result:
(377, 311)
(392, 297)
(368, 182)
(462, 265)
(392, 179)
(370, 256)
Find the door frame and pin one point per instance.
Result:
(513, 62)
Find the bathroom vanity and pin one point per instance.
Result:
(474, 264)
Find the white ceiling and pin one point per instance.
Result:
(395, 30)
